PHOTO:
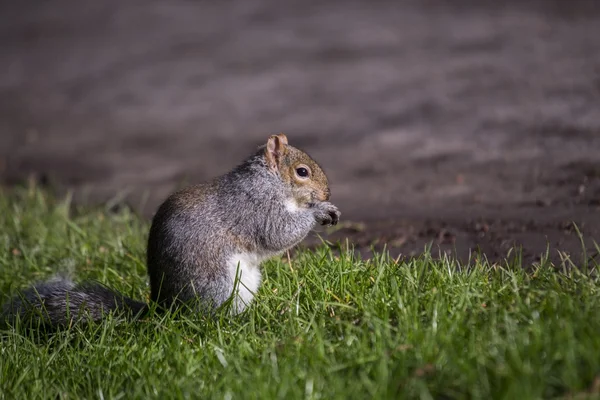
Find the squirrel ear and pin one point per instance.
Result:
(283, 138)
(275, 150)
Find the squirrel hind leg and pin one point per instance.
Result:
(60, 302)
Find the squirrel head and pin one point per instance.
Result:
(297, 170)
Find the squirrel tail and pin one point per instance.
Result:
(60, 302)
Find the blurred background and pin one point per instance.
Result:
(473, 123)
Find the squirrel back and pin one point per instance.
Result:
(207, 241)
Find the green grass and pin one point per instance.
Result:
(325, 327)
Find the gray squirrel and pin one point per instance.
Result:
(206, 241)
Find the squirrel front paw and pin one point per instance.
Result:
(326, 213)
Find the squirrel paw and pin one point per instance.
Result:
(326, 213)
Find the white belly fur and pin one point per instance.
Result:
(245, 269)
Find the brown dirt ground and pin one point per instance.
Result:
(473, 125)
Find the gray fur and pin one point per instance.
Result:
(194, 235)
(62, 302)
(243, 210)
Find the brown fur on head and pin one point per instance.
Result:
(298, 170)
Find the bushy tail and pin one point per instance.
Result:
(61, 302)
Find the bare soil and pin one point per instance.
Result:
(473, 125)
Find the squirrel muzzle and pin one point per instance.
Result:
(323, 195)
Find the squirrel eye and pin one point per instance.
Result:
(302, 172)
